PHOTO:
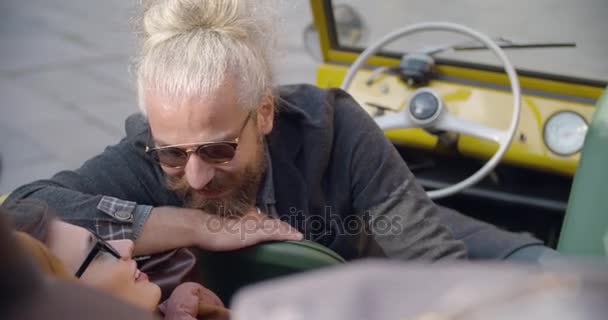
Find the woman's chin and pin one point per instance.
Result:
(156, 294)
(147, 295)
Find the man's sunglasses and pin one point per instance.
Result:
(175, 156)
(99, 245)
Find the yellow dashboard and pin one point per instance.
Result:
(482, 104)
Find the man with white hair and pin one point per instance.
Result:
(220, 158)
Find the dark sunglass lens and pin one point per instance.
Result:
(217, 153)
(171, 157)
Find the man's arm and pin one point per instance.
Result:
(169, 228)
(121, 194)
(112, 193)
(404, 221)
(155, 229)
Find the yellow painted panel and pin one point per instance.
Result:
(500, 78)
(3, 197)
(483, 105)
(490, 77)
(320, 20)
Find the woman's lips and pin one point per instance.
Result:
(141, 276)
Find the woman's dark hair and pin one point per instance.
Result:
(31, 216)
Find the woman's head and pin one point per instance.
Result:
(73, 244)
(31, 216)
(110, 267)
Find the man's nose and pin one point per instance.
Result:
(124, 247)
(198, 173)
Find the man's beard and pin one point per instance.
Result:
(238, 201)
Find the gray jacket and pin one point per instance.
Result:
(334, 176)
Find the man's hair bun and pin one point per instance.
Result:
(187, 48)
(168, 18)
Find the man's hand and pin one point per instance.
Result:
(223, 234)
(169, 228)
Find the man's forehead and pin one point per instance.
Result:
(195, 119)
(214, 105)
(224, 96)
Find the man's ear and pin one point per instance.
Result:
(265, 114)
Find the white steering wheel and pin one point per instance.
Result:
(426, 108)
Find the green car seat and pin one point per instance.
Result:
(226, 272)
(585, 228)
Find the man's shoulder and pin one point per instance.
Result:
(136, 124)
(136, 136)
(302, 93)
(315, 121)
(312, 105)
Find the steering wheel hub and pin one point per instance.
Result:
(425, 106)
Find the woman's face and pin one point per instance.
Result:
(120, 277)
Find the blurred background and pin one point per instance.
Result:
(65, 84)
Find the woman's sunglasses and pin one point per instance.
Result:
(176, 157)
(99, 245)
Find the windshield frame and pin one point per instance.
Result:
(333, 51)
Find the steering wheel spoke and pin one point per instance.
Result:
(398, 120)
(450, 122)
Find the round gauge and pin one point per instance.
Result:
(565, 132)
